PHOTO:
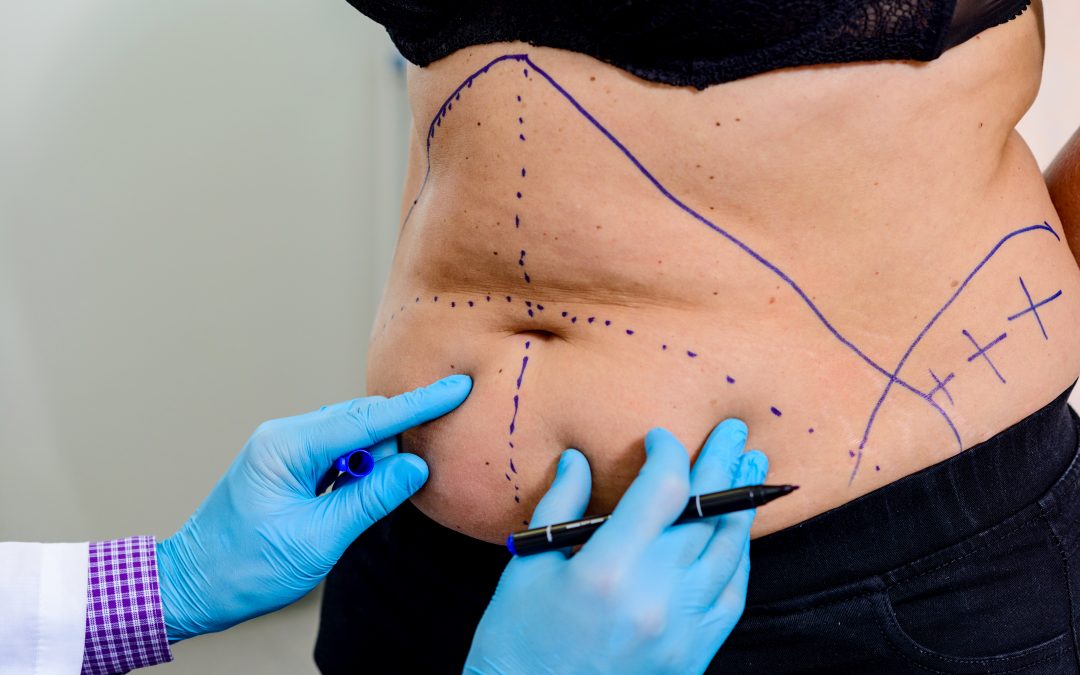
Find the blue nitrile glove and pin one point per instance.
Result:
(642, 595)
(262, 539)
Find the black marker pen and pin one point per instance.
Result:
(576, 532)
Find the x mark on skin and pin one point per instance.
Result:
(1033, 307)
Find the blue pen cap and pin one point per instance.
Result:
(357, 463)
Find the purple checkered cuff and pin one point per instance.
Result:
(125, 627)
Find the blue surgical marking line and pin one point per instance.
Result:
(855, 469)
(513, 420)
(981, 351)
(524, 363)
(939, 385)
(893, 377)
(1033, 307)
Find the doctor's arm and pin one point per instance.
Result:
(641, 595)
(261, 540)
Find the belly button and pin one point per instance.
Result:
(537, 334)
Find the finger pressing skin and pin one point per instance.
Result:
(716, 565)
(652, 502)
(383, 418)
(718, 462)
(714, 470)
(568, 495)
(326, 435)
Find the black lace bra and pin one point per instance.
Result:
(694, 42)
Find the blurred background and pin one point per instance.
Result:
(198, 206)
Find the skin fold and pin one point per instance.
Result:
(830, 253)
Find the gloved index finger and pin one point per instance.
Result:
(652, 502)
(380, 419)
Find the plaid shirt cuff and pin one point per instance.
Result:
(125, 626)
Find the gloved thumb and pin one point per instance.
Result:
(358, 505)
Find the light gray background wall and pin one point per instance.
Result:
(198, 203)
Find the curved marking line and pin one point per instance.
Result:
(674, 200)
(1045, 226)
(893, 377)
(855, 470)
(467, 82)
(716, 228)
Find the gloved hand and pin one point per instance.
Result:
(642, 595)
(262, 539)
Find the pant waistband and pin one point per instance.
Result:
(918, 514)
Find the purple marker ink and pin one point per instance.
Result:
(981, 351)
(776, 411)
(629, 332)
(565, 314)
(512, 467)
(591, 319)
(891, 375)
(692, 355)
(1033, 307)
(730, 380)
(607, 322)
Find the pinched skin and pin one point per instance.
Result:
(814, 250)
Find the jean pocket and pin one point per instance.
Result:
(997, 602)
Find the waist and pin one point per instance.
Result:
(592, 293)
(846, 387)
(921, 513)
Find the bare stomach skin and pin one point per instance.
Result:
(860, 261)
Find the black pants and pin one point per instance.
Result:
(969, 566)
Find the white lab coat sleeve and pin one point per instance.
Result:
(42, 608)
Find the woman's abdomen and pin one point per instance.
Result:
(592, 291)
